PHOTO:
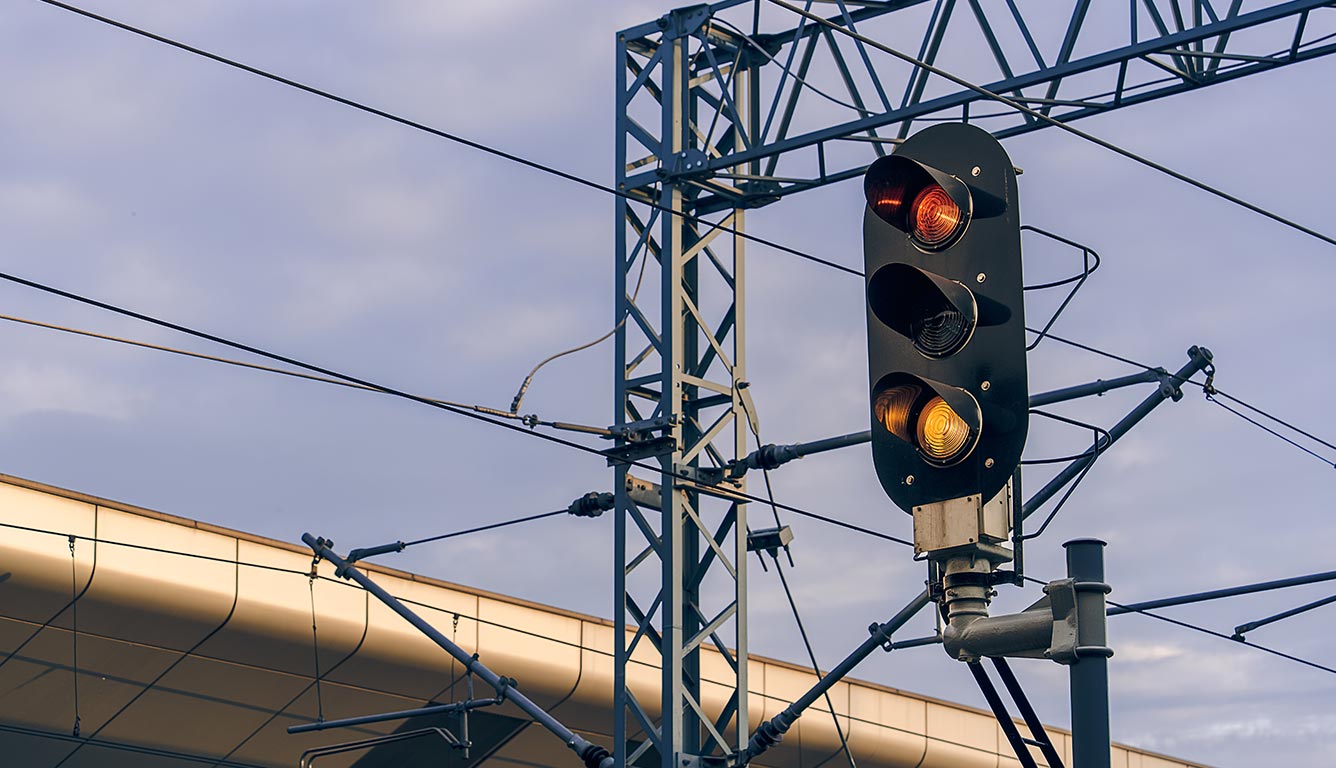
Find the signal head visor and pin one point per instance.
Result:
(939, 421)
(931, 206)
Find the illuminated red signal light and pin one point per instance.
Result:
(934, 217)
(930, 206)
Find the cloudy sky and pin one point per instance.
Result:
(167, 183)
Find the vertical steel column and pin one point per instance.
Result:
(1090, 673)
(693, 359)
(621, 316)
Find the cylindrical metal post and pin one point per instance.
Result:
(1090, 673)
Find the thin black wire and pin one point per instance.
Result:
(1286, 424)
(147, 548)
(1037, 114)
(486, 527)
(366, 627)
(443, 134)
(315, 643)
(292, 571)
(1271, 431)
(713, 226)
(1204, 630)
(116, 745)
(517, 401)
(793, 605)
(405, 395)
(1212, 390)
(1223, 636)
(1101, 442)
(224, 360)
(529, 420)
(789, 71)
(594, 185)
(811, 655)
(74, 634)
(1091, 101)
(236, 583)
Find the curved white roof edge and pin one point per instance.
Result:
(166, 582)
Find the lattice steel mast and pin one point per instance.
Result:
(700, 134)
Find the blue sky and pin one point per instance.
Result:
(163, 182)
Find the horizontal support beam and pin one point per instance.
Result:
(772, 455)
(1216, 594)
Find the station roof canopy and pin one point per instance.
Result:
(194, 647)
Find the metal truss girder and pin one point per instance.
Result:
(1199, 49)
(687, 324)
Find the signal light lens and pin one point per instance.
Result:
(921, 418)
(894, 408)
(935, 218)
(942, 435)
(937, 314)
(941, 332)
(886, 196)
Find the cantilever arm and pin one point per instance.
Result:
(591, 754)
(773, 455)
(772, 731)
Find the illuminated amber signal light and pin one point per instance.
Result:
(924, 420)
(942, 435)
(934, 217)
(894, 408)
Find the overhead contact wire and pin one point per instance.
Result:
(405, 395)
(470, 143)
(1055, 123)
(1204, 630)
(1211, 390)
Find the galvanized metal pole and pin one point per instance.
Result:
(1090, 674)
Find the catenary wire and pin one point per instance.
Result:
(294, 572)
(811, 655)
(509, 156)
(619, 193)
(529, 420)
(503, 414)
(158, 752)
(1271, 431)
(408, 396)
(594, 185)
(762, 241)
(1037, 114)
(224, 360)
(490, 527)
(570, 177)
(497, 412)
(788, 593)
(304, 574)
(1204, 630)
(1211, 389)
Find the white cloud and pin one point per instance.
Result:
(1146, 652)
(27, 387)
